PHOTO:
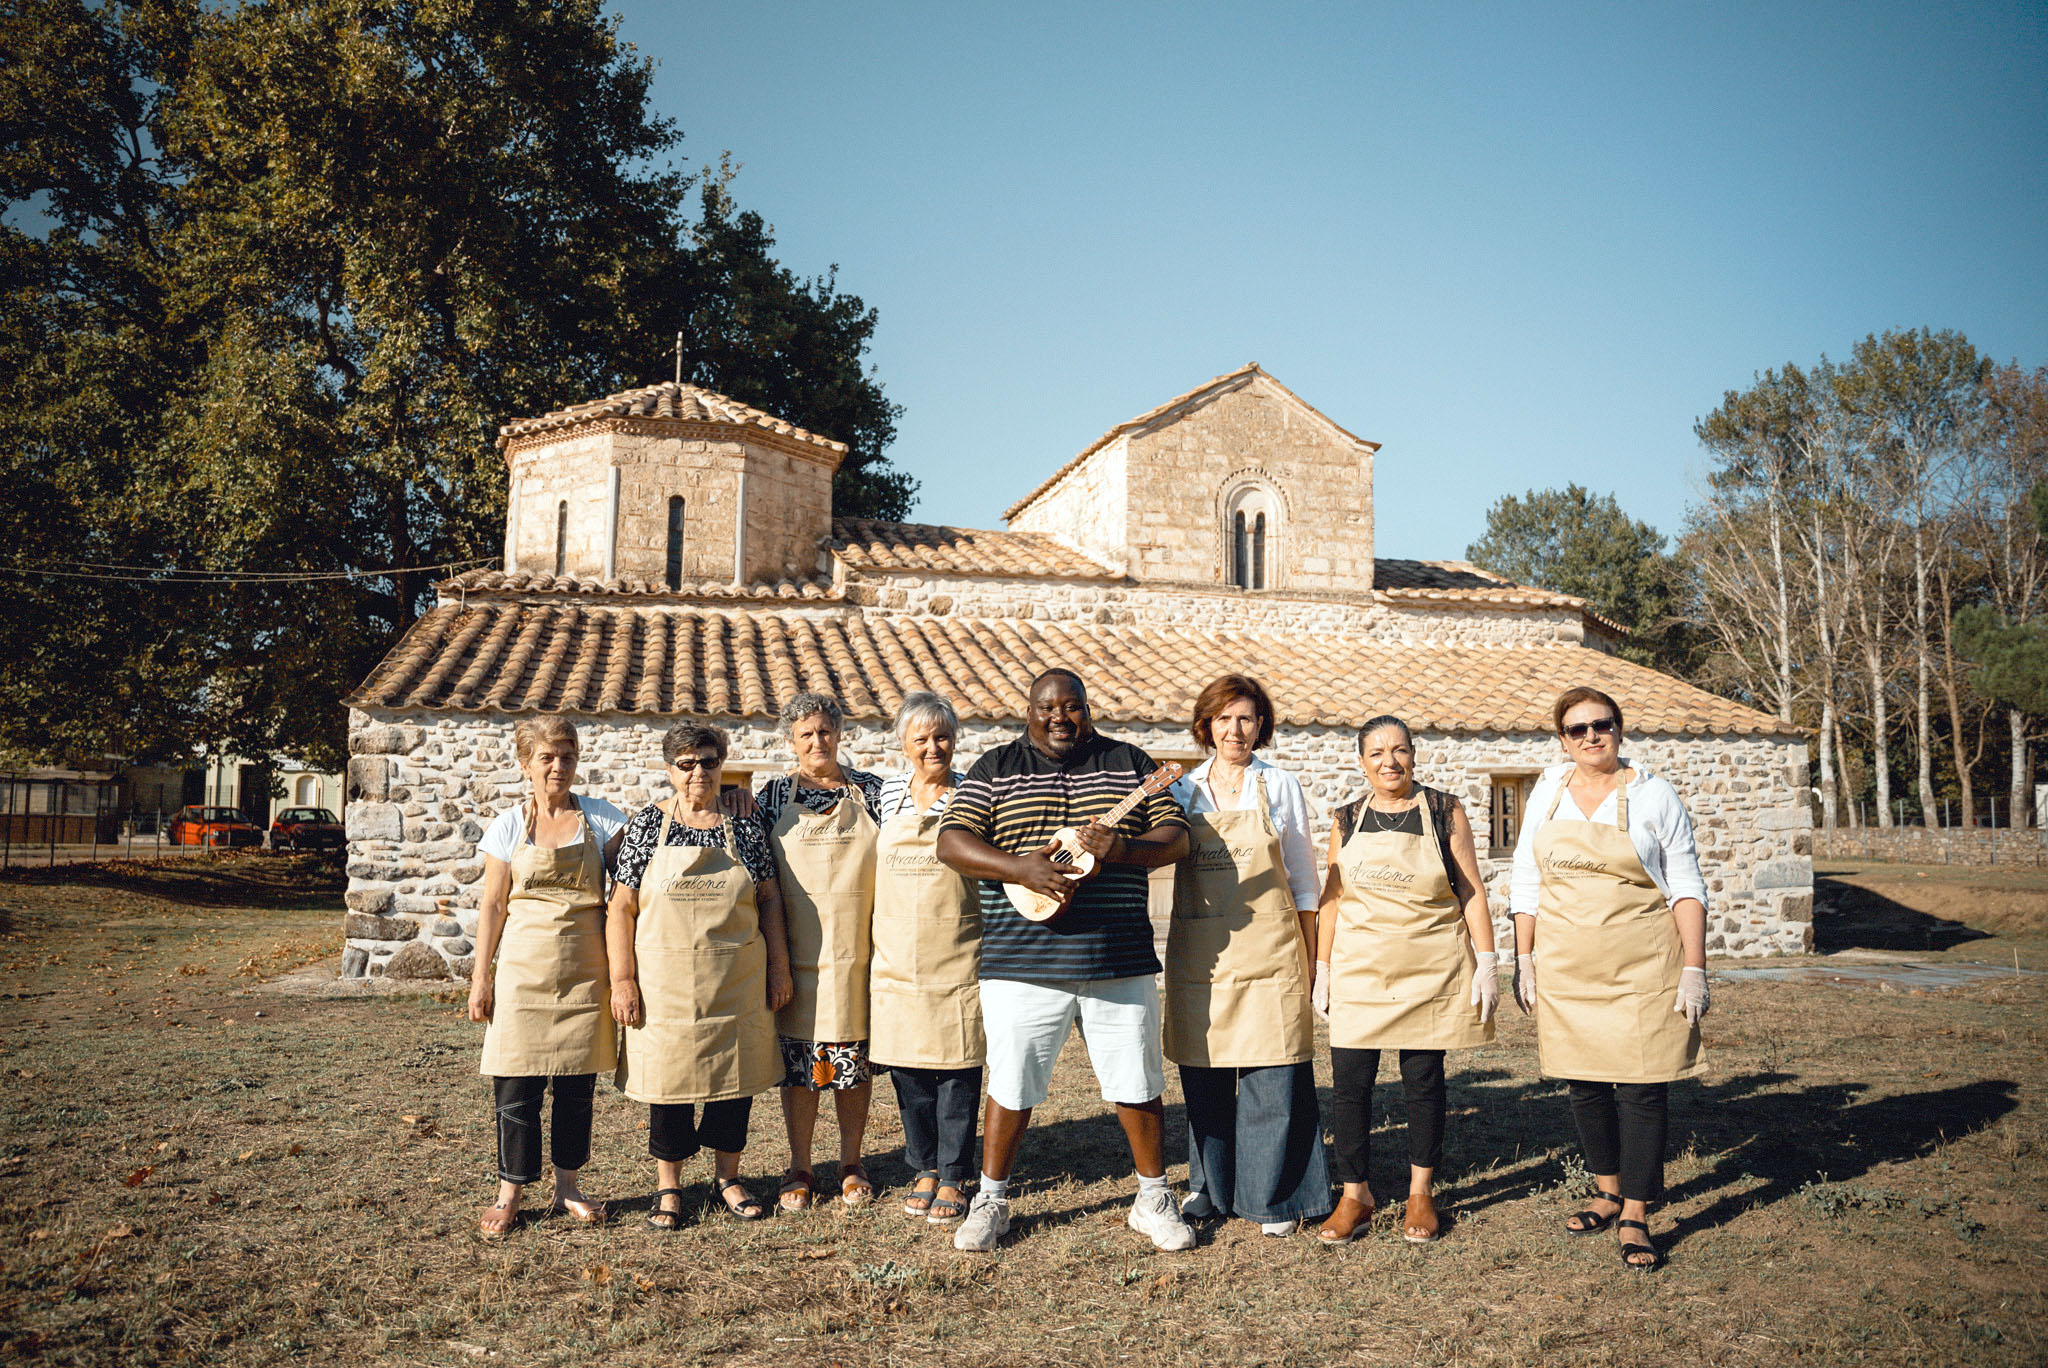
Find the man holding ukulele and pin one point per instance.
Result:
(1093, 962)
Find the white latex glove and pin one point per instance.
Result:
(1525, 983)
(1319, 993)
(1486, 984)
(1692, 994)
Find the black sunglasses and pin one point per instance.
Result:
(1604, 727)
(691, 763)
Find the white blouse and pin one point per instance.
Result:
(896, 796)
(1286, 803)
(1658, 826)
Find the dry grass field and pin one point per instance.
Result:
(198, 1167)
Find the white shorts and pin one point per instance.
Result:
(1027, 1021)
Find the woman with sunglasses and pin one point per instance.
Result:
(1609, 904)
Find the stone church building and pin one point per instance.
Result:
(671, 552)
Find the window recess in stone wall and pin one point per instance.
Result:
(1510, 796)
(1251, 537)
(561, 536)
(675, 541)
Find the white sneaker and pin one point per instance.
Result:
(1156, 1215)
(1279, 1230)
(987, 1221)
(1198, 1207)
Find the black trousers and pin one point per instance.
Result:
(1622, 1127)
(675, 1132)
(518, 1103)
(1352, 1073)
(939, 1109)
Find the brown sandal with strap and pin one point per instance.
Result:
(855, 1187)
(798, 1181)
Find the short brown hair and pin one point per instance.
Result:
(1220, 693)
(549, 728)
(1571, 698)
(687, 738)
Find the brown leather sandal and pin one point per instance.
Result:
(1347, 1222)
(498, 1230)
(593, 1213)
(801, 1184)
(855, 1188)
(1419, 1224)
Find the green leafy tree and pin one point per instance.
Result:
(2011, 658)
(1577, 542)
(276, 276)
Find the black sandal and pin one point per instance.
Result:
(661, 1218)
(748, 1208)
(1592, 1222)
(919, 1202)
(1628, 1248)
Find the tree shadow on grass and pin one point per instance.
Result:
(1848, 917)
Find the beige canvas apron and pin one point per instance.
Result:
(1236, 974)
(1401, 965)
(925, 987)
(707, 1033)
(1607, 957)
(552, 993)
(827, 865)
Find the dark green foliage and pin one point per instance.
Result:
(2011, 658)
(274, 276)
(1577, 542)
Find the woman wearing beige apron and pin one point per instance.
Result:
(1236, 1011)
(1397, 968)
(699, 964)
(539, 976)
(1610, 905)
(821, 820)
(924, 990)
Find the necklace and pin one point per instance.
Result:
(1379, 823)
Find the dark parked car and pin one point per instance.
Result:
(218, 827)
(306, 829)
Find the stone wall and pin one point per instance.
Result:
(706, 475)
(422, 787)
(1087, 507)
(1211, 608)
(2020, 848)
(571, 471)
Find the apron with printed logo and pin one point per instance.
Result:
(552, 985)
(1401, 965)
(827, 866)
(1236, 974)
(1607, 957)
(925, 985)
(706, 1034)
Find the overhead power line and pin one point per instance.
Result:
(144, 574)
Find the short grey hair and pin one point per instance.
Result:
(810, 703)
(922, 707)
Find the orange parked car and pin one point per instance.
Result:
(223, 828)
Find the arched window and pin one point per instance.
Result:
(561, 536)
(309, 790)
(1251, 530)
(675, 541)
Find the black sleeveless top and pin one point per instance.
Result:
(1441, 806)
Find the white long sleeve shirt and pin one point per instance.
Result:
(1658, 826)
(1286, 803)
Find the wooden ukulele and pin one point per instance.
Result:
(1036, 907)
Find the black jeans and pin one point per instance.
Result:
(1352, 1073)
(1621, 1130)
(518, 1103)
(675, 1133)
(939, 1108)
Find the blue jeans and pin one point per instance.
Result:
(1255, 1141)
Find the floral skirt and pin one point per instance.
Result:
(822, 1066)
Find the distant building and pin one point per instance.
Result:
(671, 552)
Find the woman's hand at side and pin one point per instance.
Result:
(480, 995)
(627, 1008)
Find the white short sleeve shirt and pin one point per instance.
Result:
(507, 831)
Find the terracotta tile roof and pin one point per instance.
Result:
(1241, 376)
(870, 545)
(681, 403)
(530, 585)
(504, 655)
(1459, 582)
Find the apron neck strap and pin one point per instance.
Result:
(725, 835)
(1622, 779)
(532, 810)
(661, 837)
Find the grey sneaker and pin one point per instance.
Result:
(1155, 1214)
(988, 1220)
(1198, 1207)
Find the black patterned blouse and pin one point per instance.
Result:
(772, 797)
(636, 847)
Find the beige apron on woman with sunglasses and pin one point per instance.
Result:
(1401, 965)
(1607, 956)
(706, 1033)
(925, 986)
(551, 1012)
(827, 864)
(1236, 972)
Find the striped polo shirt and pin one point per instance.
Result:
(1015, 798)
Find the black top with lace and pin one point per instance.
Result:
(636, 846)
(1350, 816)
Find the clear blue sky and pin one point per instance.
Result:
(1518, 245)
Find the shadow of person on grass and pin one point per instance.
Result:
(1086, 1150)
